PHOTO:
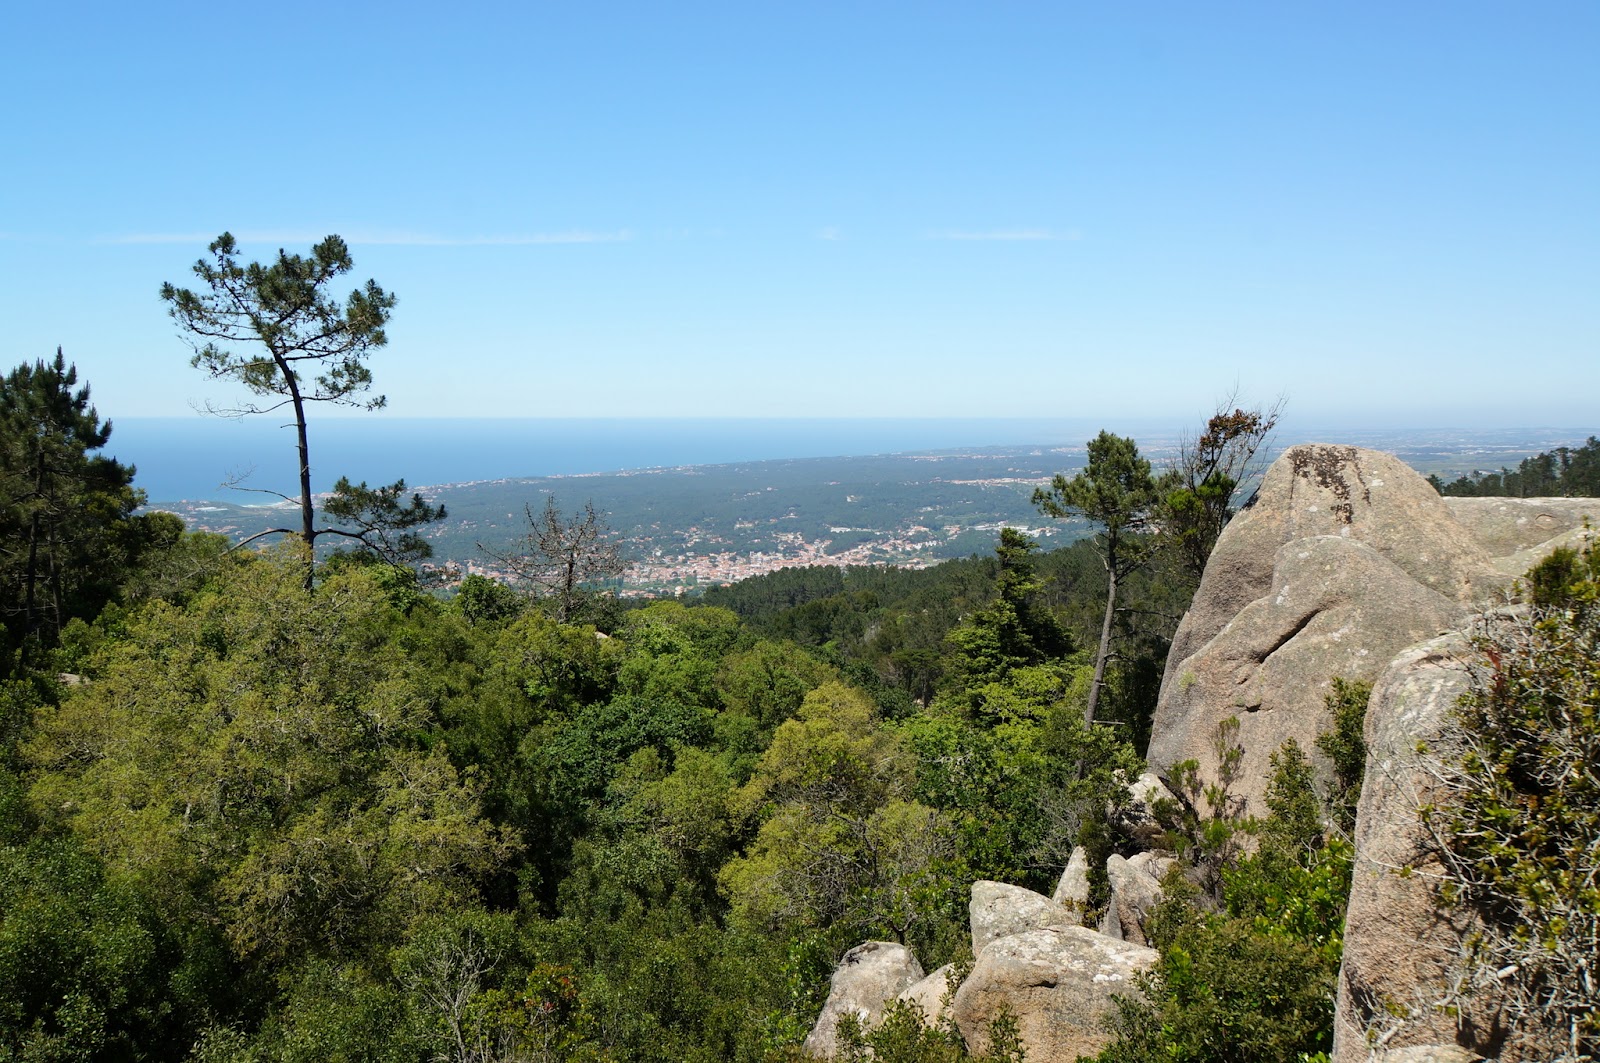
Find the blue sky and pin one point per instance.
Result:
(1388, 212)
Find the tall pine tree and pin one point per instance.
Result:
(66, 529)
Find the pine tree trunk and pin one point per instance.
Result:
(1105, 644)
(308, 516)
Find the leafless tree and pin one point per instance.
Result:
(563, 558)
(1200, 490)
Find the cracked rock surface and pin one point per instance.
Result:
(1346, 557)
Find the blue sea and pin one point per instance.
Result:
(191, 458)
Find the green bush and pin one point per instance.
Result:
(1519, 824)
(1250, 931)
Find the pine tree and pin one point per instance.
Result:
(67, 533)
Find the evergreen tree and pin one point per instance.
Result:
(287, 309)
(1013, 631)
(1198, 492)
(67, 532)
(1116, 491)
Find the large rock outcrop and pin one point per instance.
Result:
(1057, 982)
(1507, 526)
(1398, 943)
(1346, 557)
(867, 978)
(1349, 565)
(1519, 532)
(1318, 489)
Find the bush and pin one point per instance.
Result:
(1518, 829)
(1255, 979)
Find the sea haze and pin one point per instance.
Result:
(190, 458)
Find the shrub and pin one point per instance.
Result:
(1518, 827)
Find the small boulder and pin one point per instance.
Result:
(867, 978)
(930, 993)
(999, 910)
(1073, 890)
(1137, 819)
(1152, 864)
(1057, 982)
(1134, 893)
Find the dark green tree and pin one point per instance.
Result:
(1117, 492)
(302, 329)
(67, 531)
(1013, 631)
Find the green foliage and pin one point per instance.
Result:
(68, 535)
(1197, 494)
(1116, 492)
(88, 968)
(1565, 579)
(904, 635)
(1346, 747)
(653, 982)
(1014, 631)
(1519, 819)
(676, 826)
(1297, 882)
(287, 309)
(838, 846)
(1008, 771)
(1204, 827)
(761, 687)
(481, 600)
(1224, 992)
(1250, 955)
(358, 822)
(382, 520)
(172, 564)
(902, 1035)
(307, 814)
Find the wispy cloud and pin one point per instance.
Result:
(1004, 234)
(391, 239)
(571, 236)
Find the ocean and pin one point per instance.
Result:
(191, 458)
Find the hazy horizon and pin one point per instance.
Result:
(188, 458)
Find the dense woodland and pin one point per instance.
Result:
(1565, 471)
(250, 818)
(265, 804)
